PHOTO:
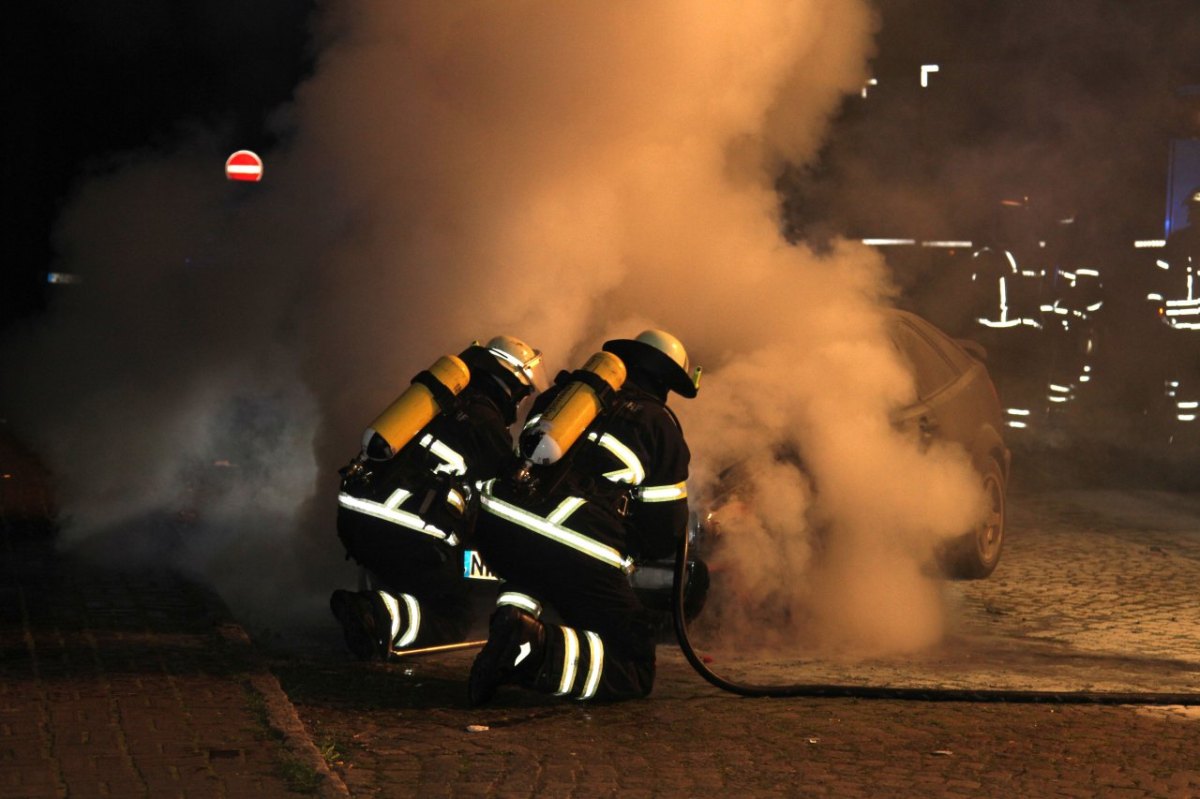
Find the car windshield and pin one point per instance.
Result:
(931, 367)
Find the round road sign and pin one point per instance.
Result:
(244, 165)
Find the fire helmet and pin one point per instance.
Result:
(520, 359)
(662, 354)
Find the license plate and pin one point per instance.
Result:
(474, 568)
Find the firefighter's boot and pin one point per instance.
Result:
(513, 654)
(366, 623)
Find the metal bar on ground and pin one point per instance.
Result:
(429, 650)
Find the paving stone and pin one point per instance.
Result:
(101, 687)
(117, 684)
(690, 740)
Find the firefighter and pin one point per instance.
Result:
(1176, 299)
(1179, 266)
(407, 501)
(564, 534)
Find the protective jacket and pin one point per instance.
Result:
(570, 537)
(408, 520)
(1176, 281)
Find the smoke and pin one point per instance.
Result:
(827, 518)
(564, 173)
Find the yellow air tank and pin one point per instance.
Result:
(553, 433)
(413, 409)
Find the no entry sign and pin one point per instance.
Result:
(244, 165)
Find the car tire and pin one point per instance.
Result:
(974, 555)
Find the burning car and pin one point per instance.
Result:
(956, 402)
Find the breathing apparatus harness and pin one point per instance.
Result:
(537, 475)
(357, 472)
(434, 392)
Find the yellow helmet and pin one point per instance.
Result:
(661, 352)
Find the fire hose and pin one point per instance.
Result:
(902, 693)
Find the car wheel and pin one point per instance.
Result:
(974, 555)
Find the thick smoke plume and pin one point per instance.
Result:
(561, 172)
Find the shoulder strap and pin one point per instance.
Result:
(604, 391)
(444, 397)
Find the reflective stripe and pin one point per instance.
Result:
(565, 509)
(522, 601)
(524, 367)
(414, 621)
(595, 665)
(554, 532)
(668, 493)
(456, 499)
(570, 661)
(393, 515)
(393, 608)
(454, 463)
(633, 473)
(396, 499)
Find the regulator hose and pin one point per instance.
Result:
(903, 693)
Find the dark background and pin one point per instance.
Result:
(86, 81)
(1071, 104)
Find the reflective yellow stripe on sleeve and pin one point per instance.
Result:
(667, 493)
(633, 473)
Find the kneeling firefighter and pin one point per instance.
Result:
(566, 529)
(408, 503)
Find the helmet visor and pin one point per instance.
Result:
(530, 371)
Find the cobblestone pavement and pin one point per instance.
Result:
(1096, 591)
(140, 684)
(126, 685)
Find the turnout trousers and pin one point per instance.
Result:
(432, 602)
(604, 648)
